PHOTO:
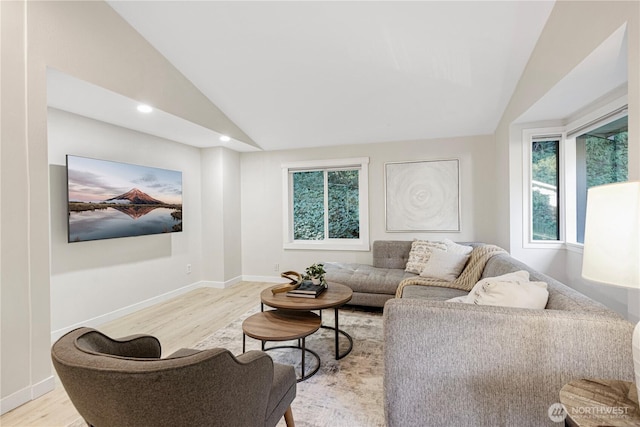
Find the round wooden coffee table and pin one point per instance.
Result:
(334, 297)
(279, 325)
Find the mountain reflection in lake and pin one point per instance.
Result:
(135, 212)
(121, 221)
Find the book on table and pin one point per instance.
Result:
(307, 290)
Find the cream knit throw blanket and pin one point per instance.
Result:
(469, 276)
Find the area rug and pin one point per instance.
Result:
(343, 393)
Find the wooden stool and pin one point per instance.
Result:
(280, 325)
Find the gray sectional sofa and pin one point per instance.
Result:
(455, 364)
(373, 285)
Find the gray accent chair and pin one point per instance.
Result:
(124, 382)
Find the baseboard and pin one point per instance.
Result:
(221, 285)
(99, 320)
(14, 400)
(43, 387)
(116, 314)
(268, 279)
(27, 394)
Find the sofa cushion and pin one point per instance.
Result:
(512, 294)
(561, 296)
(445, 265)
(519, 276)
(420, 253)
(365, 278)
(509, 290)
(391, 253)
(457, 248)
(434, 293)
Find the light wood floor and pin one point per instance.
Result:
(180, 322)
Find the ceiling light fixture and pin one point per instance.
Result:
(143, 108)
(225, 138)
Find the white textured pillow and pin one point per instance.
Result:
(456, 248)
(517, 276)
(420, 253)
(521, 276)
(511, 294)
(444, 265)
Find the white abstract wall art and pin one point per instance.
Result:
(422, 195)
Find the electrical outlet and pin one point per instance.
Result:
(276, 267)
(188, 268)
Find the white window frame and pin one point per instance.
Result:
(528, 136)
(567, 173)
(585, 124)
(360, 244)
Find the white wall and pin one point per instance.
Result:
(16, 346)
(92, 282)
(87, 40)
(232, 216)
(221, 251)
(261, 190)
(212, 215)
(559, 50)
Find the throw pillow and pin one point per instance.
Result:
(517, 276)
(457, 248)
(512, 294)
(444, 265)
(420, 253)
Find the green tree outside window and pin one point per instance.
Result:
(342, 210)
(544, 194)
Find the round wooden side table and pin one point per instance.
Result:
(280, 325)
(593, 402)
(334, 297)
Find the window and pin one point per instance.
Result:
(562, 164)
(326, 204)
(545, 197)
(339, 218)
(601, 158)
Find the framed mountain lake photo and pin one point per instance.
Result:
(108, 199)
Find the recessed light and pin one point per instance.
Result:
(143, 108)
(225, 138)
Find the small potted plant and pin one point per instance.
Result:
(315, 273)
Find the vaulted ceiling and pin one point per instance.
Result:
(306, 74)
(295, 74)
